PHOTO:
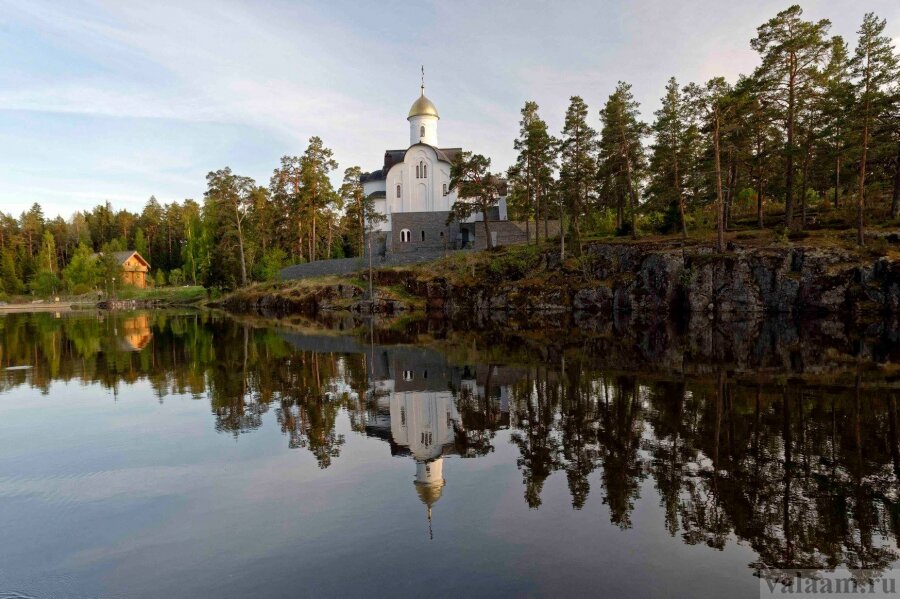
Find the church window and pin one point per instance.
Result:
(398, 191)
(405, 236)
(424, 171)
(418, 171)
(422, 131)
(423, 235)
(445, 189)
(403, 416)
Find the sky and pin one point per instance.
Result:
(105, 100)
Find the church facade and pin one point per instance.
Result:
(412, 191)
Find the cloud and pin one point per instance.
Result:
(346, 71)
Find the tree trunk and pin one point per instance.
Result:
(241, 247)
(837, 180)
(371, 288)
(789, 176)
(312, 239)
(330, 232)
(633, 197)
(680, 200)
(631, 192)
(803, 190)
(720, 204)
(895, 198)
(562, 233)
(545, 209)
(860, 233)
(362, 229)
(487, 231)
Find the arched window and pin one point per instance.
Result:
(405, 236)
(418, 171)
(422, 131)
(398, 191)
(424, 171)
(423, 235)
(407, 375)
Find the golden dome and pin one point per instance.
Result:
(429, 493)
(423, 107)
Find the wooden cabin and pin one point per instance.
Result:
(134, 268)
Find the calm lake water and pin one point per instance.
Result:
(190, 454)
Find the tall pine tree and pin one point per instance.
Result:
(578, 150)
(874, 70)
(792, 51)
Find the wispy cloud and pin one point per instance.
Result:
(238, 83)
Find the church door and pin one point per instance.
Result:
(418, 203)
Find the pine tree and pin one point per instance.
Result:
(477, 189)
(792, 51)
(836, 107)
(674, 136)
(316, 190)
(715, 103)
(621, 148)
(140, 242)
(533, 171)
(578, 164)
(151, 221)
(9, 278)
(874, 70)
(354, 198)
(228, 197)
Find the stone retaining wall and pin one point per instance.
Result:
(345, 266)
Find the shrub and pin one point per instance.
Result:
(176, 277)
(624, 229)
(878, 246)
(44, 284)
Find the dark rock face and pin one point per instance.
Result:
(668, 280)
(663, 280)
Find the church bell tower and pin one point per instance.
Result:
(423, 118)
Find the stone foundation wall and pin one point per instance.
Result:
(429, 231)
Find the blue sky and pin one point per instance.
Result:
(111, 100)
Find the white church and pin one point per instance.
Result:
(412, 190)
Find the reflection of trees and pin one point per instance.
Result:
(535, 435)
(805, 480)
(620, 429)
(239, 369)
(807, 477)
(304, 411)
(480, 416)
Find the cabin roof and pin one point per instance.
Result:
(122, 257)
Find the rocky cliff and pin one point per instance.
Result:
(661, 279)
(643, 278)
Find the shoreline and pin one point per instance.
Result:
(607, 280)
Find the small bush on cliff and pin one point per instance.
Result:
(878, 246)
(514, 263)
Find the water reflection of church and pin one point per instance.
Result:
(417, 398)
